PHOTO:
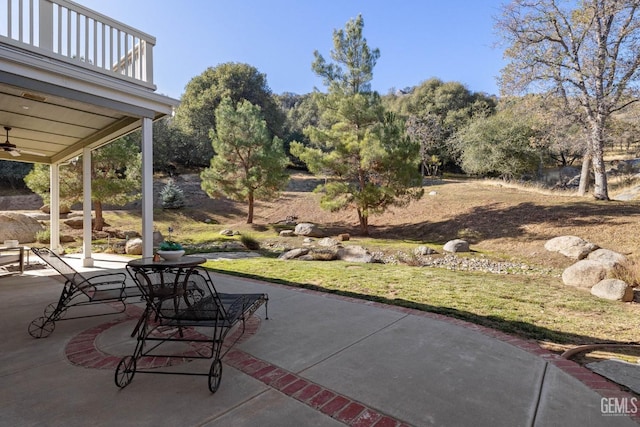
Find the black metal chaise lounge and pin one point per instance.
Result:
(184, 306)
(79, 290)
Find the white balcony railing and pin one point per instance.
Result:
(67, 31)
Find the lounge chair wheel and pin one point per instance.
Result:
(51, 308)
(125, 371)
(215, 374)
(41, 327)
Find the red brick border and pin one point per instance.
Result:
(329, 402)
(601, 385)
(82, 351)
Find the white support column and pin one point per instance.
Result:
(87, 261)
(147, 187)
(54, 207)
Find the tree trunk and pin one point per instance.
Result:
(364, 223)
(600, 191)
(99, 221)
(584, 174)
(250, 214)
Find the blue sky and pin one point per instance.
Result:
(418, 39)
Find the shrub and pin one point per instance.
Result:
(250, 242)
(43, 236)
(172, 196)
(628, 272)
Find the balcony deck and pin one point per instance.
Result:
(71, 78)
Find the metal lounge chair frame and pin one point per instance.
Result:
(79, 291)
(178, 301)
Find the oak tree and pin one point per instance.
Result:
(584, 51)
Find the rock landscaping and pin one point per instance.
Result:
(593, 268)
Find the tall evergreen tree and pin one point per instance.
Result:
(249, 164)
(369, 161)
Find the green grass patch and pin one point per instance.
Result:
(535, 307)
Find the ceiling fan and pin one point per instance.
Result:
(12, 149)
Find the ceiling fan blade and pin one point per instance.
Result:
(33, 153)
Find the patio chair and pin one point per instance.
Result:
(189, 311)
(79, 291)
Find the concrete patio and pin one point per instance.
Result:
(320, 360)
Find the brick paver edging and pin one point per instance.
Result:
(329, 402)
(82, 350)
(601, 385)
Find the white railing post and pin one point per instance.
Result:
(65, 30)
(45, 25)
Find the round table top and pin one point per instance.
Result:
(183, 261)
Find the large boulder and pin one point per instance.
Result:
(16, 226)
(328, 242)
(133, 246)
(64, 209)
(613, 289)
(308, 229)
(294, 253)
(607, 257)
(584, 274)
(570, 246)
(354, 253)
(457, 245)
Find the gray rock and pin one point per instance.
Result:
(64, 209)
(457, 245)
(354, 253)
(16, 226)
(286, 233)
(584, 274)
(157, 238)
(613, 289)
(38, 216)
(133, 246)
(607, 257)
(294, 253)
(328, 242)
(570, 246)
(226, 232)
(424, 250)
(308, 229)
(325, 254)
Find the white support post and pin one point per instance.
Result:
(87, 261)
(54, 208)
(147, 187)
